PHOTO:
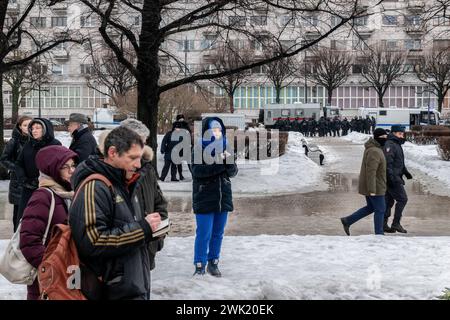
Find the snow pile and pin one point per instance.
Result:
(300, 267)
(356, 137)
(290, 173)
(426, 159)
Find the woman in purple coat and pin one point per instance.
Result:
(56, 165)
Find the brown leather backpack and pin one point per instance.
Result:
(61, 276)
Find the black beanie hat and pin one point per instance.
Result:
(379, 132)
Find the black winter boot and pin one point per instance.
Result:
(199, 269)
(398, 227)
(346, 226)
(386, 228)
(213, 268)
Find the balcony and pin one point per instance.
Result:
(311, 31)
(61, 55)
(415, 29)
(416, 6)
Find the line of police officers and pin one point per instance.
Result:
(327, 126)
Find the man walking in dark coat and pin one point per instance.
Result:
(83, 142)
(396, 169)
(167, 146)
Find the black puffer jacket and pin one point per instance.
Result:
(111, 238)
(26, 170)
(8, 159)
(395, 160)
(83, 144)
(211, 188)
(148, 197)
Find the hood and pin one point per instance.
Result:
(395, 139)
(372, 143)
(96, 165)
(49, 161)
(49, 134)
(148, 154)
(17, 134)
(101, 141)
(206, 125)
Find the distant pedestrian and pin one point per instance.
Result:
(83, 142)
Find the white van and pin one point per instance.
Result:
(386, 117)
(296, 111)
(229, 119)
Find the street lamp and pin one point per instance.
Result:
(306, 85)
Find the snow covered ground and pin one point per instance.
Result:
(300, 267)
(424, 158)
(291, 173)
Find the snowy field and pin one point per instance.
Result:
(420, 157)
(300, 267)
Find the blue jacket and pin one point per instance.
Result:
(211, 190)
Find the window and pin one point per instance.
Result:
(390, 44)
(10, 21)
(209, 42)
(335, 21)
(87, 69)
(238, 44)
(360, 44)
(186, 45)
(390, 20)
(285, 112)
(310, 21)
(134, 20)
(58, 69)
(361, 21)
(299, 112)
(357, 68)
(413, 44)
(287, 44)
(237, 21)
(61, 46)
(59, 21)
(258, 21)
(338, 44)
(87, 22)
(287, 21)
(383, 113)
(441, 21)
(38, 22)
(413, 20)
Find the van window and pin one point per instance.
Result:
(299, 112)
(383, 113)
(269, 114)
(285, 112)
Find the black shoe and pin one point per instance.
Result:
(181, 177)
(199, 269)
(398, 227)
(213, 268)
(174, 179)
(388, 229)
(346, 226)
(162, 179)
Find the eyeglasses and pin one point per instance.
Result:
(68, 167)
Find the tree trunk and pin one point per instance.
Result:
(231, 98)
(440, 102)
(3, 171)
(330, 96)
(380, 100)
(149, 71)
(277, 94)
(15, 104)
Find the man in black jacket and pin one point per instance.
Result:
(395, 165)
(110, 235)
(83, 142)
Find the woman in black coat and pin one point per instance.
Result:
(9, 157)
(211, 195)
(41, 135)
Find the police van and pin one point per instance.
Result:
(295, 111)
(386, 117)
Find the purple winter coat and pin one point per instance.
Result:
(49, 160)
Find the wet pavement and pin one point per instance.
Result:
(426, 213)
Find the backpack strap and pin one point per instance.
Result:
(50, 215)
(94, 176)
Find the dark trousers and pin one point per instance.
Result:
(180, 170)
(374, 204)
(173, 170)
(396, 194)
(26, 195)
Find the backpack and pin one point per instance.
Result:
(13, 265)
(61, 275)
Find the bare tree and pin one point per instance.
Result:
(22, 80)
(382, 68)
(162, 20)
(434, 70)
(330, 69)
(15, 31)
(280, 72)
(229, 57)
(107, 75)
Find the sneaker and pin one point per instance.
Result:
(398, 227)
(213, 268)
(199, 269)
(346, 226)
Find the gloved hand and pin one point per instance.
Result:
(31, 184)
(408, 176)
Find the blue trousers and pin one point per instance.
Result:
(209, 236)
(375, 204)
